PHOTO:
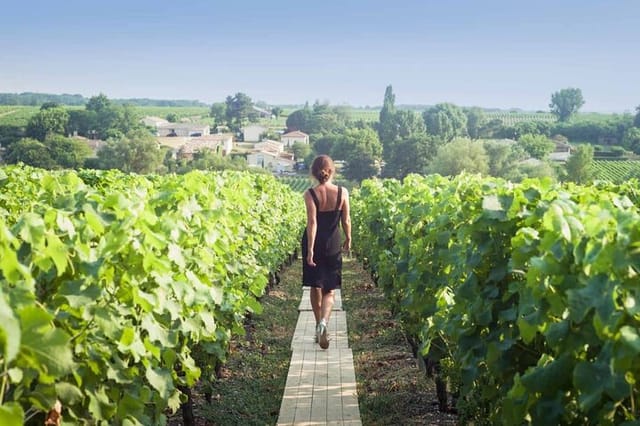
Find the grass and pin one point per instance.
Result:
(391, 389)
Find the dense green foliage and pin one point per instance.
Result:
(117, 289)
(578, 166)
(446, 121)
(526, 294)
(566, 102)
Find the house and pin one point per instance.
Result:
(154, 122)
(269, 145)
(253, 132)
(183, 129)
(288, 139)
(262, 113)
(186, 147)
(275, 162)
(562, 152)
(222, 143)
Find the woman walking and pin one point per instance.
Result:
(327, 208)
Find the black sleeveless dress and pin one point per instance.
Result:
(327, 274)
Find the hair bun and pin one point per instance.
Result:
(322, 168)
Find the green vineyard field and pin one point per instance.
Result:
(615, 171)
(297, 183)
(118, 292)
(520, 298)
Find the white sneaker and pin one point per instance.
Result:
(323, 339)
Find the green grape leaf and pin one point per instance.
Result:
(9, 331)
(161, 381)
(11, 414)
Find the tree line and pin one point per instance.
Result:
(36, 99)
(122, 141)
(448, 139)
(443, 138)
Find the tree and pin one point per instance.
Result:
(578, 165)
(318, 121)
(503, 156)
(446, 121)
(326, 119)
(300, 150)
(527, 128)
(83, 122)
(209, 160)
(631, 140)
(531, 169)
(566, 102)
(325, 143)
(103, 119)
(636, 119)
(276, 111)
(299, 120)
(98, 103)
(411, 149)
(361, 150)
(410, 154)
(218, 112)
(387, 121)
(537, 146)
(10, 134)
(47, 121)
(492, 129)
(67, 153)
(460, 155)
(137, 152)
(48, 105)
(476, 119)
(128, 119)
(31, 152)
(239, 109)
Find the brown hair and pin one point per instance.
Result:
(322, 168)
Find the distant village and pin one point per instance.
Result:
(185, 139)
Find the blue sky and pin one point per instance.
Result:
(493, 53)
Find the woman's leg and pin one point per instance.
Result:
(327, 305)
(315, 296)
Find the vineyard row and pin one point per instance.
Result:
(118, 292)
(522, 299)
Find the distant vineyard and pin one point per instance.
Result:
(297, 183)
(366, 115)
(616, 171)
(181, 112)
(509, 119)
(16, 115)
(302, 183)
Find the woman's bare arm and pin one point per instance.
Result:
(312, 227)
(346, 220)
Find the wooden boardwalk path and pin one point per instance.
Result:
(321, 384)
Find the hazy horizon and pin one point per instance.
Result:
(498, 54)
